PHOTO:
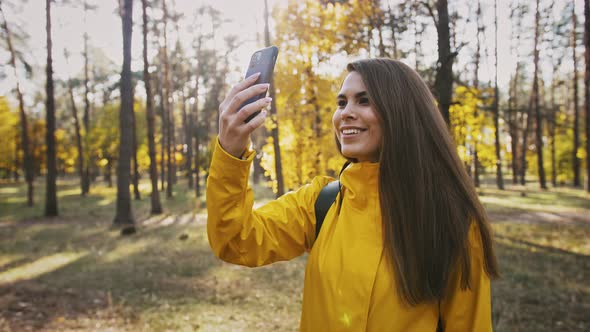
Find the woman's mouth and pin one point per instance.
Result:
(349, 132)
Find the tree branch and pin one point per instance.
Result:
(428, 7)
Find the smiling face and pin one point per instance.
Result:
(356, 123)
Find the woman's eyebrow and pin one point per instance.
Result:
(357, 95)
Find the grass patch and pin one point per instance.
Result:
(76, 273)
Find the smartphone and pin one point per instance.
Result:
(263, 62)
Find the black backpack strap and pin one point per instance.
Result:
(322, 204)
(325, 199)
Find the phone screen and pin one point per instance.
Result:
(262, 61)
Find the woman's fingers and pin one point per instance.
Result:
(241, 97)
(251, 108)
(237, 89)
(234, 133)
(256, 122)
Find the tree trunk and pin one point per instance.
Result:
(273, 111)
(168, 110)
(514, 148)
(108, 173)
(197, 140)
(51, 187)
(172, 139)
(258, 140)
(480, 29)
(135, 177)
(525, 135)
(156, 207)
(539, 124)
(513, 107)
(189, 135)
(78, 137)
(417, 40)
(499, 178)
(124, 214)
(444, 74)
(187, 122)
(587, 87)
(392, 26)
(86, 118)
(317, 124)
(17, 165)
(376, 22)
(195, 127)
(24, 127)
(513, 124)
(576, 160)
(163, 122)
(551, 128)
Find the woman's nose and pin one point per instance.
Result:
(347, 112)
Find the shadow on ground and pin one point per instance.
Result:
(76, 273)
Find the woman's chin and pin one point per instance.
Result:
(348, 154)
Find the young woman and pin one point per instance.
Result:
(408, 246)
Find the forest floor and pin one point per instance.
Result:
(76, 273)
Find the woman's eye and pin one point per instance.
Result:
(341, 103)
(364, 101)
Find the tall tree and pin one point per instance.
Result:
(444, 73)
(587, 87)
(526, 119)
(124, 214)
(418, 32)
(79, 146)
(556, 60)
(517, 12)
(188, 137)
(575, 159)
(480, 30)
(168, 108)
(181, 73)
(24, 128)
(163, 122)
(539, 124)
(499, 179)
(135, 176)
(394, 31)
(86, 117)
(551, 125)
(274, 114)
(156, 207)
(51, 186)
(377, 22)
(195, 114)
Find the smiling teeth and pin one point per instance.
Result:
(350, 131)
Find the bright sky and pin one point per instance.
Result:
(245, 18)
(104, 28)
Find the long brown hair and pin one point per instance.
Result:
(428, 201)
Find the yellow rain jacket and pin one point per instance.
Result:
(349, 285)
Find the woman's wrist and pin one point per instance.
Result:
(244, 155)
(234, 152)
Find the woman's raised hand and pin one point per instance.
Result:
(234, 133)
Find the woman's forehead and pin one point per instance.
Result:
(352, 84)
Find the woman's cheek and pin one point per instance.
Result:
(335, 123)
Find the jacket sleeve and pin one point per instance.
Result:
(470, 309)
(279, 230)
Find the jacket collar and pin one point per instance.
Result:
(360, 182)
